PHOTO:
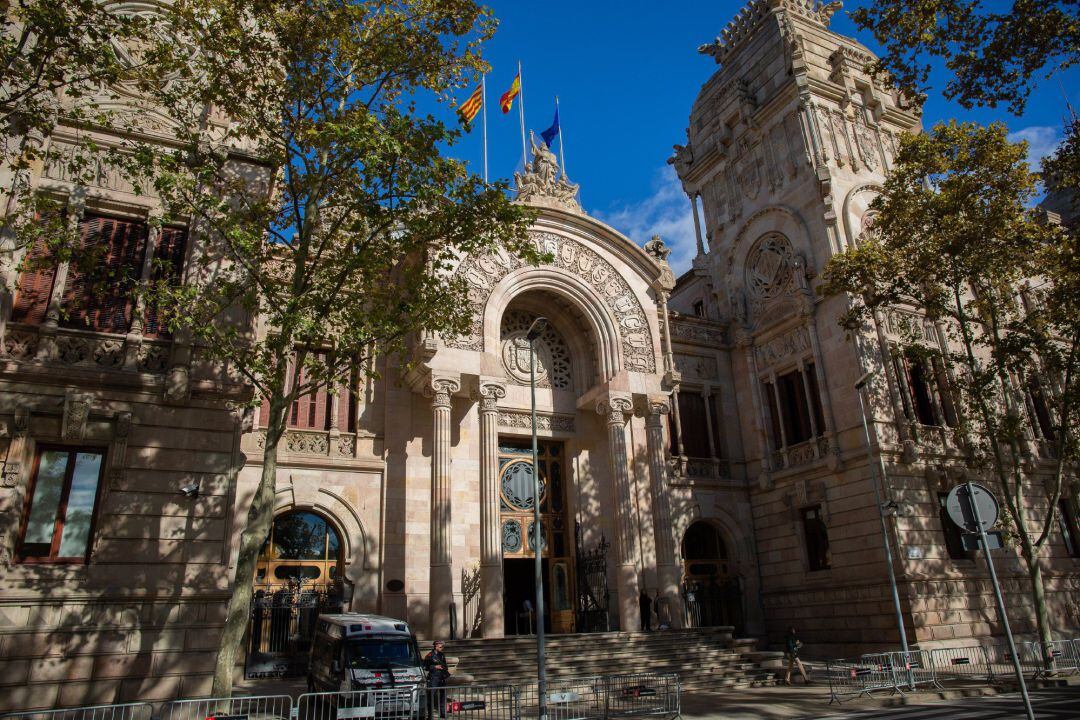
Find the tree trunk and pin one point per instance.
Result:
(259, 517)
(1038, 596)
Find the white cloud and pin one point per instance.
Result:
(1041, 139)
(666, 212)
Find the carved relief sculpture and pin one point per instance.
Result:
(542, 181)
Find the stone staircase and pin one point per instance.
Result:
(704, 658)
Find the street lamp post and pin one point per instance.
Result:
(535, 331)
(860, 385)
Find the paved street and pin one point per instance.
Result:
(803, 703)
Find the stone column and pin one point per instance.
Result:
(614, 410)
(491, 569)
(697, 223)
(441, 583)
(667, 569)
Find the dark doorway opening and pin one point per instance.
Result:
(519, 594)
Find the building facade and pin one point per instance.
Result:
(700, 439)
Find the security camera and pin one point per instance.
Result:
(191, 490)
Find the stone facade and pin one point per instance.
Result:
(788, 144)
(661, 402)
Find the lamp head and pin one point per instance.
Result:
(191, 490)
(861, 382)
(537, 328)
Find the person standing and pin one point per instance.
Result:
(645, 605)
(793, 645)
(438, 672)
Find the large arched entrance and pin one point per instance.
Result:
(712, 594)
(297, 577)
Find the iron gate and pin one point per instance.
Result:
(593, 596)
(282, 626)
(709, 604)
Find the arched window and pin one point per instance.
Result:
(703, 542)
(302, 546)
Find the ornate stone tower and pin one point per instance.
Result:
(788, 142)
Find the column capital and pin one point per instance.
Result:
(489, 394)
(656, 408)
(440, 389)
(615, 408)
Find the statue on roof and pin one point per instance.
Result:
(542, 183)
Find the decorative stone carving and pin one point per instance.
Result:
(121, 429)
(754, 12)
(489, 395)
(542, 183)
(697, 367)
(615, 409)
(440, 391)
(177, 385)
(553, 365)
(794, 342)
(76, 416)
(21, 431)
(544, 421)
(690, 330)
(867, 143)
(484, 272)
(657, 249)
(769, 267)
(20, 345)
(346, 445)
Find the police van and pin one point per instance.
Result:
(355, 651)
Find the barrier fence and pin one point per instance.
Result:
(976, 664)
(645, 695)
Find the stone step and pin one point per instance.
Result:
(707, 658)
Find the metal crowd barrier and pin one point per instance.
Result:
(607, 696)
(914, 668)
(964, 663)
(125, 711)
(860, 677)
(388, 704)
(643, 695)
(263, 707)
(470, 702)
(1060, 657)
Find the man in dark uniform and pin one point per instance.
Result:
(435, 665)
(645, 605)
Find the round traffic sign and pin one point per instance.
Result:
(959, 506)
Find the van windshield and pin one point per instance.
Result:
(371, 653)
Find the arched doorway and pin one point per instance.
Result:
(712, 595)
(298, 576)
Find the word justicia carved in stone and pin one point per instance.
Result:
(559, 423)
(483, 273)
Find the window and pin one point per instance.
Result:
(925, 390)
(699, 308)
(798, 397)
(99, 292)
(1042, 422)
(954, 536)
(59, 518)
(816, 536)
(694, 427)
(312, 410)
(1070, 529)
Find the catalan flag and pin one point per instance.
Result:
(507, 100)
(468, 109)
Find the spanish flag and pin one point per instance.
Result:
(468, 109)
(507, 100)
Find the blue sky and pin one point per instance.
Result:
(626, 74)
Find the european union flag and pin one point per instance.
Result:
(551, 132)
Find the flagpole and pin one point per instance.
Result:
(521, 115)
(483, 122)
(562, 156)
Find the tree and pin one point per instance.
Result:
(992, 54)
(954, 239)
(57, 59)
(329, 213)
